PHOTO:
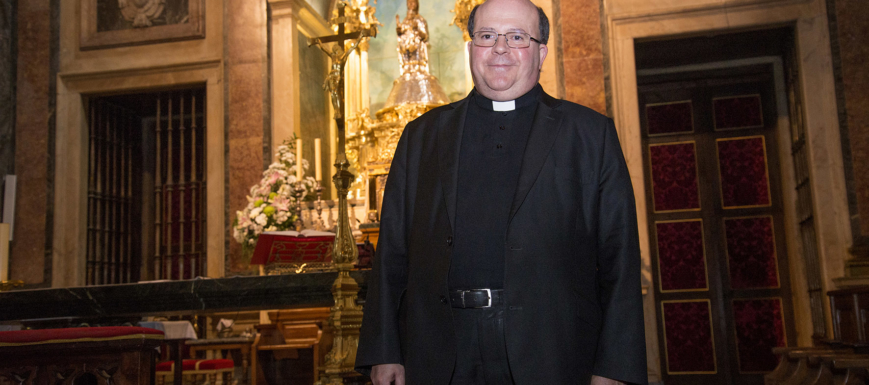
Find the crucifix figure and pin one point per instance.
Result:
(334, 83)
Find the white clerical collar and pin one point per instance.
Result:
(509, 105)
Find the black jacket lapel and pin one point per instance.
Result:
(450, 128)
(547, 121)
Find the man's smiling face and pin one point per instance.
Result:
(500, 72)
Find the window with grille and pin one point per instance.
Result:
(146, 187)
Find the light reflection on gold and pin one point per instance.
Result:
(371, 142)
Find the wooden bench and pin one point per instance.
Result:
(211, 372)
(118, 355)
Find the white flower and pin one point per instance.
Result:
(261, 219)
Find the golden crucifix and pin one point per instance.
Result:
(334, 83)
(346, 316)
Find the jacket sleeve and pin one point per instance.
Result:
(379, 341)
(621, 352)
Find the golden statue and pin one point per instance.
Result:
(412, 40)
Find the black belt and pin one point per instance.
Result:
(476, 298)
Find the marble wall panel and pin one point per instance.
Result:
(245, 66)
(852, 34)
(31, 140)
(7, 95)
(582, 53)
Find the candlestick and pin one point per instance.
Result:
(299, 171)
(298, 193)
(318, 204)
(318, 165)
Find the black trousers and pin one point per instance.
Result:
(481, 357)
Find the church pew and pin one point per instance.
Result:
(798, 364)
(289, 331)
(121, 355)
(856, 369)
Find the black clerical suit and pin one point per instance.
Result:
(571, 259)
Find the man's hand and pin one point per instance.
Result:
(596, 380)
(387, 374)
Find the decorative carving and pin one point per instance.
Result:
(415, 91)
(463, 12)
(116, 23)
(412, 40)
(141, 12)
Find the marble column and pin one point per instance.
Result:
(849, 31)
(7, 96)
(247, 117)
(582, 53)
(28, 258)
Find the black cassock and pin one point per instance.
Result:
(571, 257)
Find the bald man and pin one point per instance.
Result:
(508, 248)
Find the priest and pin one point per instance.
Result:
(508, 248)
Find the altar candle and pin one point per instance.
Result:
(318, 166)
(358, 194)
(299, 171)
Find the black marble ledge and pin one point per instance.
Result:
(197, 296)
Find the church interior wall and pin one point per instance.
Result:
(247, 108)
(628, 20)
(34, 73)
(129, 69)
(250, 62)
(297, 73)
(582, 55)
(7, 87)
(849, 30)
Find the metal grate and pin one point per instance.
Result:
(179, 186)
(113, 252)
(146, 187)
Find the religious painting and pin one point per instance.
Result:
(114, 23)
(446, 50)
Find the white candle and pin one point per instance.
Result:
(318, 165)
(299, 171)
(358, 194)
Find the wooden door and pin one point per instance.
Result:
(716, 226)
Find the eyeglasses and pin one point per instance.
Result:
(514, 39)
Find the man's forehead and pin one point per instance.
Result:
(507, 29)
(506, 15)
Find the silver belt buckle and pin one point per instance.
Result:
(488, 293)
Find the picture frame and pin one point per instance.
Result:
(91, 38)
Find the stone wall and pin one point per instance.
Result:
(582, 53)
(849, 31)
(247, 124)
(7, 87)
(32, 142)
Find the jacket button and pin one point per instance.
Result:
(450, 240)
(444, 300)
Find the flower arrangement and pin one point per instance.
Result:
(271, 205)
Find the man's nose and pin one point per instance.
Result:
(501, 45)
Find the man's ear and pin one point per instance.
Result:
(543, 51)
